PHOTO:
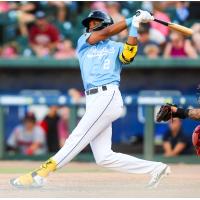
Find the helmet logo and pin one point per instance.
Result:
(90, 14)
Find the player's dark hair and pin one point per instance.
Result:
(29, 116)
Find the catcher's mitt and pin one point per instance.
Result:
(165, 113)
(196, 139)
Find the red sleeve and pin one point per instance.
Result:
(54, 34)
(44, 125)
(32, 34)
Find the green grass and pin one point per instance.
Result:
(64, 170)
(13, 171)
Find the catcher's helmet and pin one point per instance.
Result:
(106, 20)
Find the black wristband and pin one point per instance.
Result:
(181, 113)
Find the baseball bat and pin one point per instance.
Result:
(176, 27)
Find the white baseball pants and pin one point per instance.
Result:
(95, 128)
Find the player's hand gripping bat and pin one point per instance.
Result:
(176, 27)
(172, 26)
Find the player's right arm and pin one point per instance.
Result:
(107, 32)
(141, 16)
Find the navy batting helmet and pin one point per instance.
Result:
(106, 20)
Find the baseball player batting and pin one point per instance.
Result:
(101, 61)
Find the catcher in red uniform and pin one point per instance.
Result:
(170, 111)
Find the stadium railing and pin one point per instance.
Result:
(140, 62)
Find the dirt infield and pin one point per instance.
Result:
(89, 180)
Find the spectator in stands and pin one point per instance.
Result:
(43, 36)
(4, 6)
(50, 125)
(196, 27)
(196, 37)
(174, 141)
(196, 42)
(178, 46)
(61, 9)
(158, 31)
(27, 138)
(113, 9)
(99, 5)
(63, 125)
(182, 12)
(144, 38)
(10, 50)
(75, 95)
(26, 10)
(151, 51)
(194, 8)
(65, 50)
(25, 13)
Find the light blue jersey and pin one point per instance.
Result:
(99, 63)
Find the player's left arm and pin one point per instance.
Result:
(168, 111)
(186, 113)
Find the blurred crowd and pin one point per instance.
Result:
(51, 28)
(175, 141)
(39, 137)
(32, 137)
(35, 136)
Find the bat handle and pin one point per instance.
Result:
(161, 22)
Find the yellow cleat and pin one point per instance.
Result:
(46, 168)
(36, 178)
(28, 181)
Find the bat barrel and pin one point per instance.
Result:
(182, 29)
(176, 27)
